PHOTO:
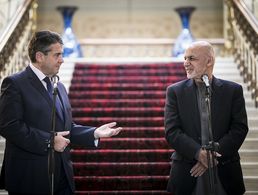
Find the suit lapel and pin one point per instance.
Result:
(216, 97)
(192, 105)
(36, 83)
(64, 101)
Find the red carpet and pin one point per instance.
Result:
(137, 160)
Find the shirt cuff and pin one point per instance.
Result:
(96, 142)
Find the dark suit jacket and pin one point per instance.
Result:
(183, 133)
(25, 122)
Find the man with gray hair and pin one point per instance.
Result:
(201, 112)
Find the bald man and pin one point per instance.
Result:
(189, 130)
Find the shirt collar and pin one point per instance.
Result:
(199, 82)
(39, 74)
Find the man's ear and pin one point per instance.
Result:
(210, 61)
(39, 56)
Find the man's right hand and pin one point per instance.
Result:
(202, 158)
(60, 142)
(202, 165)
(198, 169)
(203, 154)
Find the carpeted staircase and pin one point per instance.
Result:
(110, 168)
(137, 160)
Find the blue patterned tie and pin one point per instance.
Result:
(58, 102)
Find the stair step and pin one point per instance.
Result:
(252, 112)
(125, 192)
(250, 168)
(118, 94)
(133, 72)
(118, 112)
(252, 121)
(121, 182)
(251, 193)
(120, 86)
(133, 155)
(122, 121)
(2, 143)
(121, 169)
(3, 192)
(127, 103)
(173, 66)
(121, 79)
(252, 134)
(249, 103)
(250, 143)
(1, 156)
(251, 183)
(133, 143)
(228, 74)
(249, 155)
(142, 132)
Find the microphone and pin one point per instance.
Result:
(55, 80)
(205, 79)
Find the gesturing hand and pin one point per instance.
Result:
(107, 130)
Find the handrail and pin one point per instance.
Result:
(244, 30)
(137, 47)
(142, 41)
(5, 36)
(248, 14)
(15, 37)
(247, 23)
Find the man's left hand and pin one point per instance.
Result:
(107, 130)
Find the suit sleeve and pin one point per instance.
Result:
(175, 135)
(232, 141)
(83, 135)
(12, 122)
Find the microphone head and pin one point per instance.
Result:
(205, 79)
(55, 80)
(55, 85)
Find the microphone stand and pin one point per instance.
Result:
(211, 147)
(51, 154)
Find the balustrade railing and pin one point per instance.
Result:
(244, 38)
(252, 6)
(15, 37)
(139, 47)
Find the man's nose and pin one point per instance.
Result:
(61, 59)
(186, 63)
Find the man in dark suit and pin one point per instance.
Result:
(187, 128)
(25, 123)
